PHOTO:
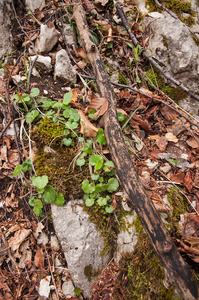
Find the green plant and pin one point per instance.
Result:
(136, 51)
(44, 193)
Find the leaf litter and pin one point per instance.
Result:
(166, 144)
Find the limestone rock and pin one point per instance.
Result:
(68, 289)
(5, 25)
(81, 243)
(126, 240)
(69, 35)
(47, 39)
(34, 4)
(43, 63)
(174, 48)
(63, 68)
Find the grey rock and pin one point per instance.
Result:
(6, 39)
(63, 68)
(69, 35)
(47, 39)
(126, 240)
(42, 63)
(68, 288)
(113, 64)
(34, 4)
(81, 243)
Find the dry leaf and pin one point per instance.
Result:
(188, 181)
(105, 25)
(26, 259)
(18, 238)
(177, 178)
(39, 258)
(121, 111)
(11, 201)
(50, 25)
(171, 137)
(4, 153)
(192, 143)
(196, 219)
(87, 128)
(81, 53)
(161, 206)
(168, 113)
(39, 15)
(162, 143)
(99, 104)
(144, 124)
(154, 137)
(88, 4)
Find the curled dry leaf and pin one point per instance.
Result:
(87, 128)
(161, 206)
(39, 258)
(11, 201)
(192, 143)
(18, 238)
(188, 181)
(99, 104)
(168, 113)
(162, 143)
(171, 137)
(81, 53)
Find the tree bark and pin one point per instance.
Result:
(177, 272)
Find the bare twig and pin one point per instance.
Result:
(189, 130)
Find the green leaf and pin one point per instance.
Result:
(94, 176)
(130, 45)
(80, 162)
(34, 92)
(77, 291)
(31, 115)
(89, 202)
(17, 170)
(101, 187)
(67, 98)
(67, 142)
(109, 209)
(108, 166)
(32, 201)
(71, 125)
(49, 194)
(120, 116)
(59, 201)
(66, 113)
(27, 165)
(38, 203)
(80, 139)
(87, 187)
(92, 112)
(88, 149)
(113, 185)
(102, 201)
(96, 160)
(100, 138)
(38, 211)
(40, 182)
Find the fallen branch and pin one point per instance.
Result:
(151, 59)
(177, 272)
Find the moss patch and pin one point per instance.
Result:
(122, 79)
(56, 164)
(140, 273)
(175, 93)
(177, 6)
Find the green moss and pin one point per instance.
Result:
(144, 272)
(122, 79)
(108, 225)
(56, 164)
(179, 205)
(177, 6)
(175, 93)
(88, 272)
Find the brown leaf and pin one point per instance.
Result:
(18, 238)
(162, 143)
(11, 201)
(144, 124)
(39, 15)
(39, 258)
(154, 137)
(188, 181)
(196, 219)
(105, 25)
(4, 153)
(168, 113)
(81, 53)
(122, 111)
(50, 25)
(155, 153)
(161, 206)
(99, 104)
(177, 178)
(171, 137)
(87, 128)
(88, 4)
(192, 143)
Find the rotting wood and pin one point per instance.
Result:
(176, 271)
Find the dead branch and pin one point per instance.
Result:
(176, 270)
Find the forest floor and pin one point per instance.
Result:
(162, 138)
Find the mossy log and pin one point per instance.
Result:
(176, 271)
